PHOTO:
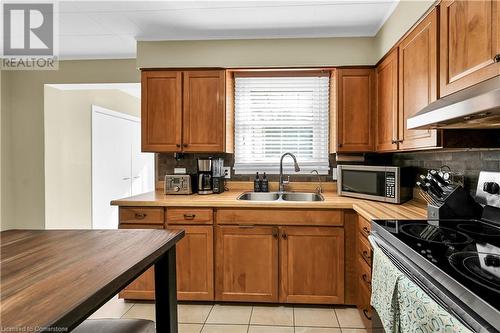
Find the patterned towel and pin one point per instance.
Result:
(385, 277)
(418, 313)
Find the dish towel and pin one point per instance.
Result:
(420, 313)
(385, 277)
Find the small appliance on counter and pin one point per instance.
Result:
(205, 176)
(455, 261)
(381, 183)
(218, 179)
(179, 184)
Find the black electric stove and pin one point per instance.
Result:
(456, 261)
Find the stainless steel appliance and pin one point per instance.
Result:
(455, 261)
(205, 176)
(179, 184)
(381, 183)
(474, 107)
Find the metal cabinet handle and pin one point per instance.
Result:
(284, 236)
(140, 216)
(394, 141)
(366, 231)
(365, 254)
(365, 312)
(365, 278)
(185, 145)
(275, 233)
(497, 58)
(178, 145)
(189, 216)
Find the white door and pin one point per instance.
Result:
(114, 165)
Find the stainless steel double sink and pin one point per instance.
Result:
(277, 196)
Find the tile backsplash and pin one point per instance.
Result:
(467, 163)
(167, 163)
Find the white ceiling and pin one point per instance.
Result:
(110, 29)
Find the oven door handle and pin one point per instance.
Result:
(373, 243)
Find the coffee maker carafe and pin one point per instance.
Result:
(205, 176)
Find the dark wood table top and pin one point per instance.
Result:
(57, 278)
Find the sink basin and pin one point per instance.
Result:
(275, 196)
(259, 196)
(298, 196)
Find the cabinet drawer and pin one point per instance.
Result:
(364, 273)
(364, 226)
(364, 306)
(189, 216)
(142, 215)
(364, 249)
(289, 217)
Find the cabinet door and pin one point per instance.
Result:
(246, 264)
(312, 265)
(143, 288)
(195, 277)
(356, 92)
(203, 117)
(161, 111)
(418, 81)
(387, 103)
(469, 43)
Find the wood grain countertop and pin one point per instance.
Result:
(368, 209)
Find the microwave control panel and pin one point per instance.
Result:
(390, 184)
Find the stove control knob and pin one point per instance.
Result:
(491, 188)
(176, 188)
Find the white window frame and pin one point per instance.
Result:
(247, 163)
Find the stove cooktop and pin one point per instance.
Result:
(466, 250)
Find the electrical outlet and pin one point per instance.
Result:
(227, 172)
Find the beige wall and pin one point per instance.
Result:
(402, 19)
(290, 52)
(68, 154)
(23, 173)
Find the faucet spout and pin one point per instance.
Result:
(282, 182)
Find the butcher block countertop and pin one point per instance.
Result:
(368, 209)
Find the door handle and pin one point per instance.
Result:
(185, 145)
(136, 177)
(189, 216)
(125, 178)
(275, 233)
(284, 236)
(178, 145)
(140, 216)
(365, 278)
(367, 257)
(366, 231)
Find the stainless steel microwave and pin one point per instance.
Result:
(380, 183)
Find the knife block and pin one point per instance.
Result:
(459, 204)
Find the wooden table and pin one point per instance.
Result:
(54, 279)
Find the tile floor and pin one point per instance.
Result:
(222, 318)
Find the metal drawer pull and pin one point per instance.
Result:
(275, 233)
(140, 216)
(365, 312)
(365, 254)
(365, 229)
(365, 278)
(284, 236)
(189, 216)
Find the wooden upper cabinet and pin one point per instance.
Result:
(161, 111)
(195, 276)
(312, 265)
(183, 111)
(356, 100)
(246, 264)
(418, 81)
(204, 111)
(469, 38)
(387, 103)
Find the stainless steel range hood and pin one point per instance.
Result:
(474, 107)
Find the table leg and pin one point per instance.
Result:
(166, 293)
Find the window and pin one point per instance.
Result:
(275, 115)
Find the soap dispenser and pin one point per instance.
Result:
(256, 183)
(264, 187)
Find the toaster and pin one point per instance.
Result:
(179, 184)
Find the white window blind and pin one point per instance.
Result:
(275, 115)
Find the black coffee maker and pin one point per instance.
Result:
(205, 176)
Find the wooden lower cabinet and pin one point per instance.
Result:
(312, 265)
(246, 263)
(195, 276)
(143, 288)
